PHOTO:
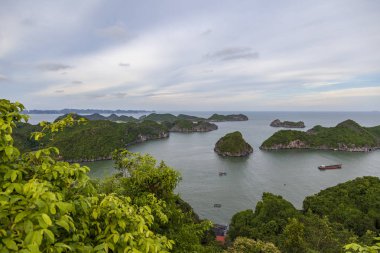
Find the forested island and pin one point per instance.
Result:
(92, 141)
(287, 124)
(51, 205)
(213, 118)
(188, 126)
(161, 117)
(346, 136)
(233, 144)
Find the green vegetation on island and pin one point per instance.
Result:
(340, 215)
(94, 140)
(346, 136)
(232, 117)
(233, 144)
(159, 117)
(172, 118)
(287, 124)
(97, 116)
(188, 126)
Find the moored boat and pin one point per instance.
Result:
(330, 167)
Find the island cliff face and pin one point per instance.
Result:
(233, 144)
(346, 136)
(187, 126)
(287, 124)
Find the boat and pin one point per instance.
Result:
(222, 173)
(217, 205)
(330, 167)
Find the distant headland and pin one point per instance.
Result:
(83, 111)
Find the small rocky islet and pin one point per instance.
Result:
(233, 144)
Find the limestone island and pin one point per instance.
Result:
(188, 126)
(232, 117)
(233, 144)
(167, 117)
(346, 136)
(287, 124)
(93, 141)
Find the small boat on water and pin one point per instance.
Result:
(222, 173)
(218, 205)
(330, 167)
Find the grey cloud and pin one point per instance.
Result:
(54, 66)
(3, 78)
(206, 32)
(233, 53)
(60, 91)
(28, 22)
(117, 31)
(120, 95)
(76, 82)
(122, 64)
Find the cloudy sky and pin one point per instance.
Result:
(191, 55)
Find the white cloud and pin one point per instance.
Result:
(251, 56)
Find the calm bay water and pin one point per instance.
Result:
(292, 174)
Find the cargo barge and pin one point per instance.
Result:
(330, 167)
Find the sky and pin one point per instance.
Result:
(191, 55)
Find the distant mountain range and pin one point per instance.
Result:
(83, 111)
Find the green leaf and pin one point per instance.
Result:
(10, 244)
(49, 235)
(20, 216)
(13, 176)
(8, 137)
(63, 224)
(116, 238)
(62, 245)
(9, 151)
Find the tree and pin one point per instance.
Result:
(142, 176)
(246, 245)
(48, 205)
(293, 237)
(355, 247)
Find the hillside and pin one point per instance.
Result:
(94, 140)
(346, 136)
(188, 126)
(330, 219)
(97, 116)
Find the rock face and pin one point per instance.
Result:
(232, 117)
(346, 136)
(187, 126)
(233, 144)
(287, 124)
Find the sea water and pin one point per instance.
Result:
(292, 174)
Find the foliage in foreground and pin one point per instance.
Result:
(51, 206)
